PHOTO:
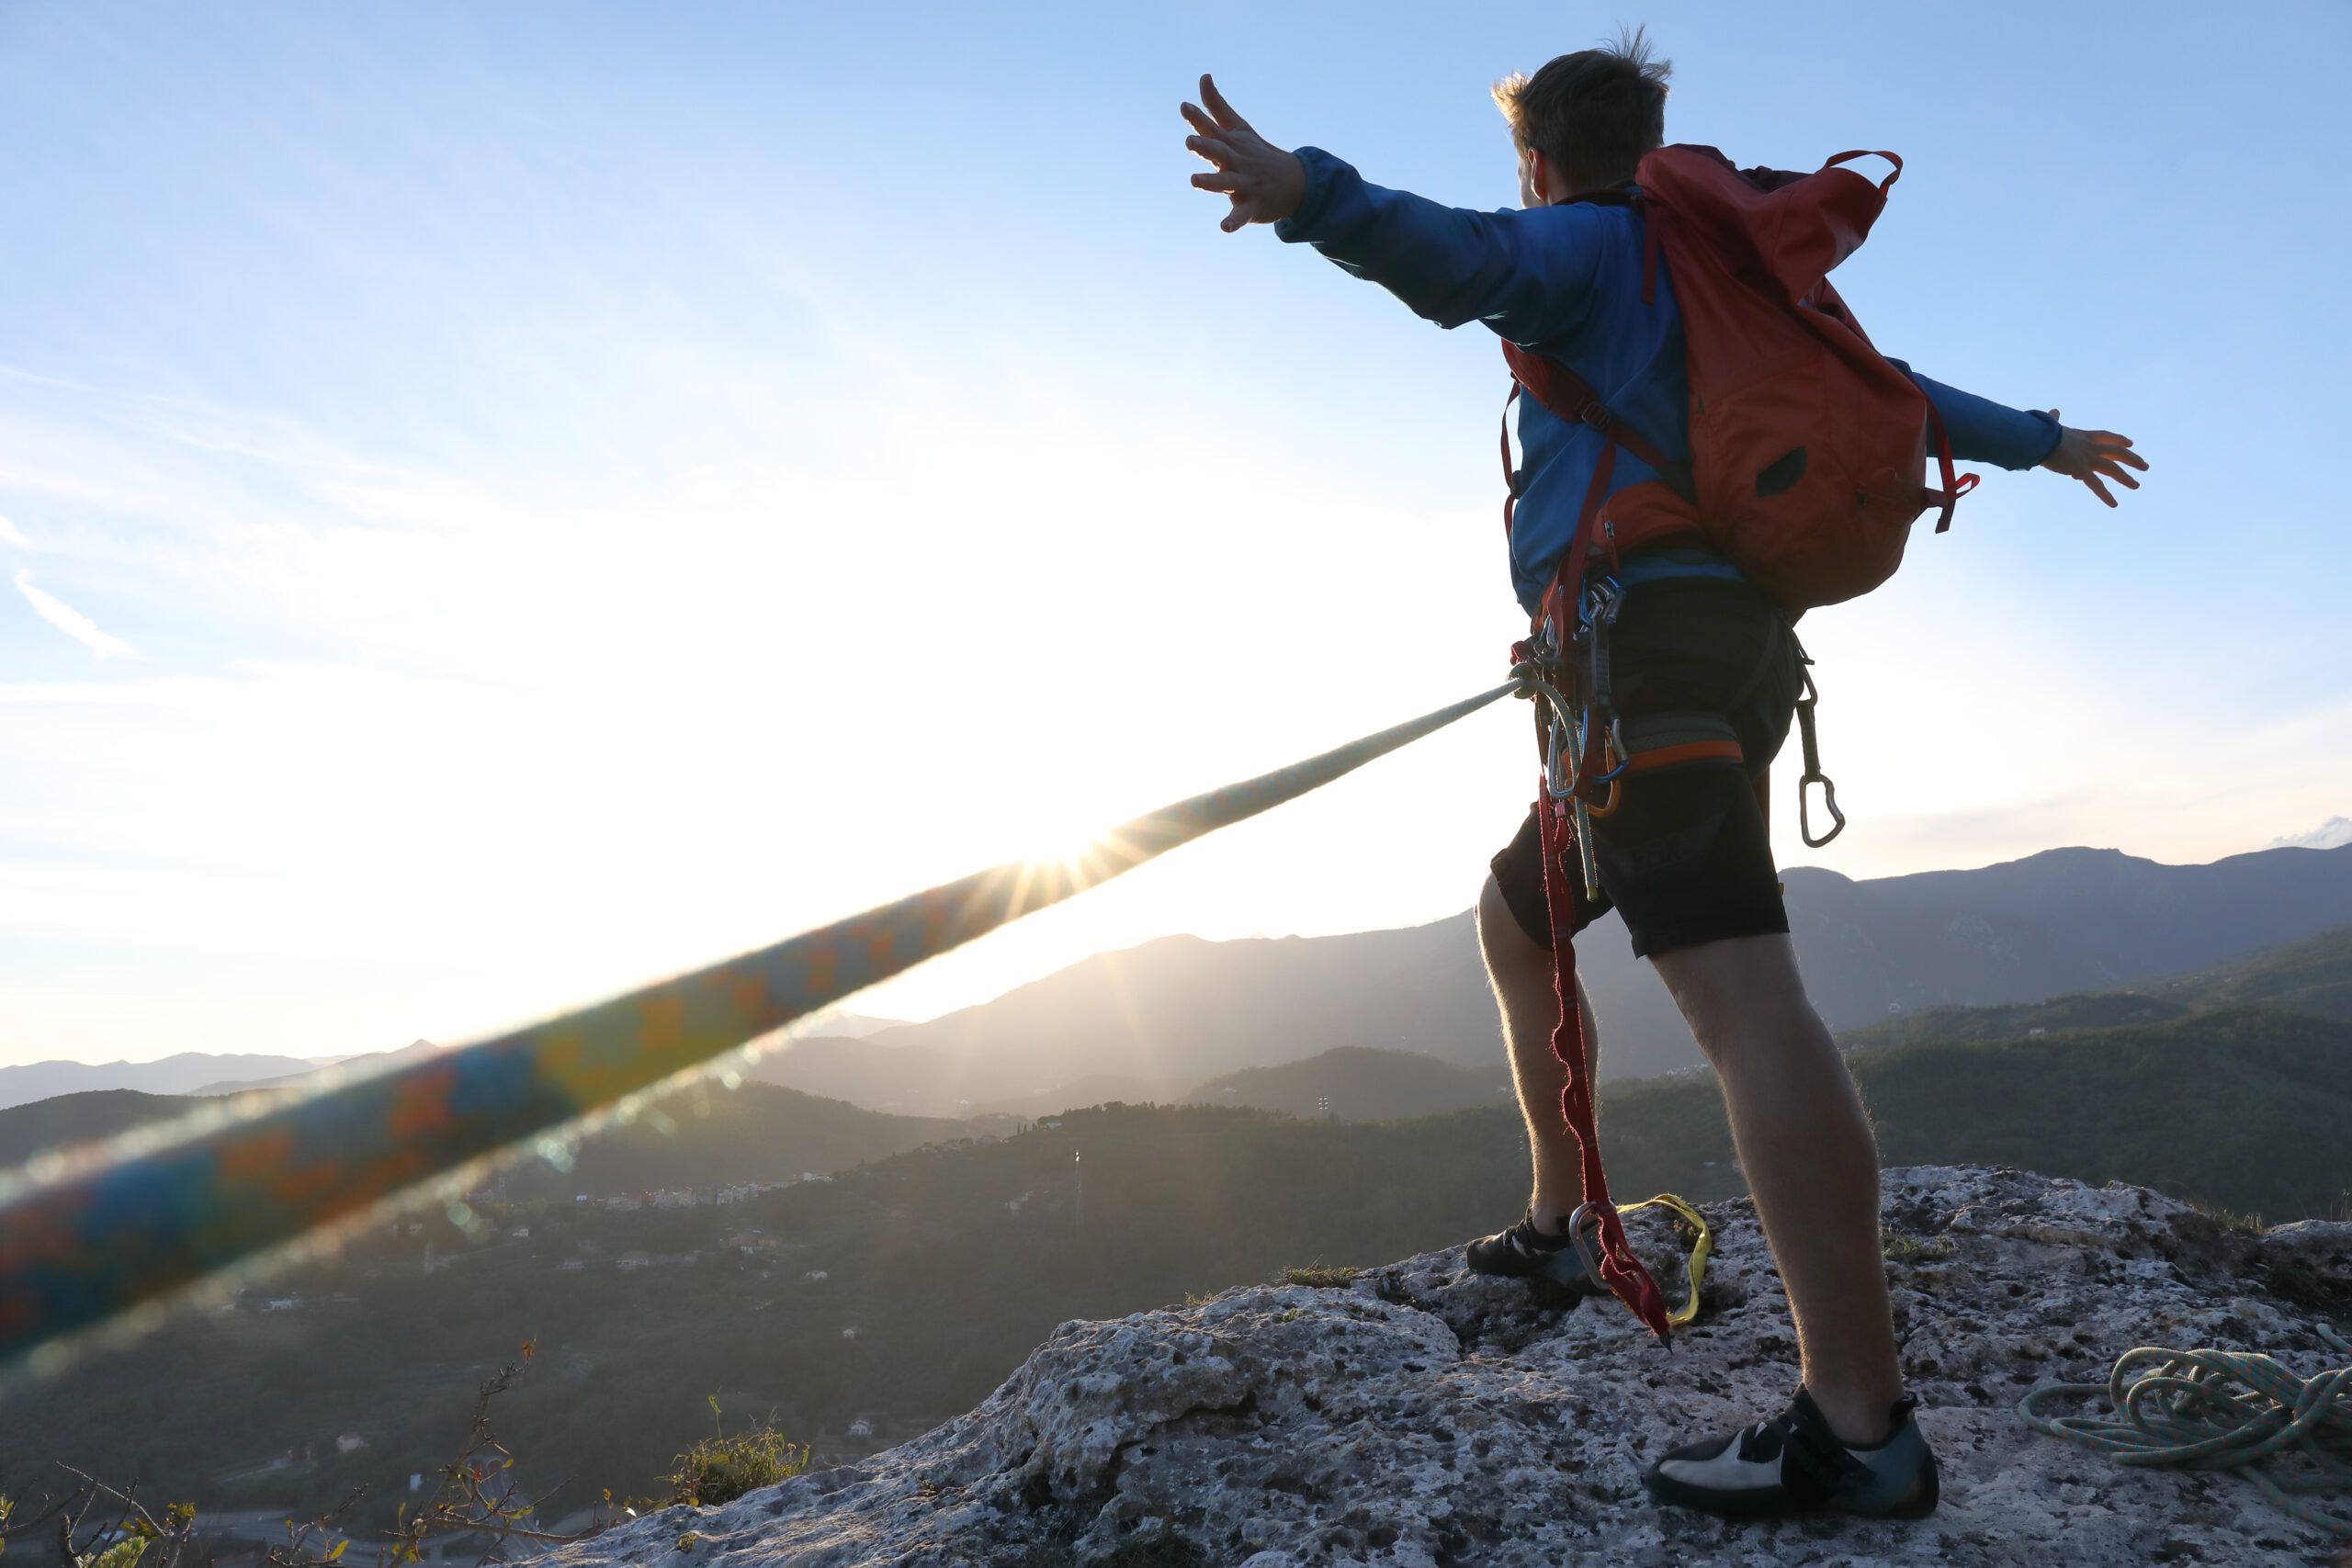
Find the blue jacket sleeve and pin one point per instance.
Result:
(1527, 275)
(1983, 431)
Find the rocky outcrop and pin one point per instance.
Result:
(1418, 1414)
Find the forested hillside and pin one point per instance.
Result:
(899, 1293)
(702, 1136)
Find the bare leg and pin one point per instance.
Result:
(1805, 1145)
(1521, 971)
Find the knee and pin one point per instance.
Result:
(1740, 996)
(1502, 941)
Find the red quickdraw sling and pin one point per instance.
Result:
(1565, 815)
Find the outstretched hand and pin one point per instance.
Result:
(1265, 182)
(2095, 457)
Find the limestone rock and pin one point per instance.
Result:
(1423, 1416)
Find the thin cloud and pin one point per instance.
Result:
(2334, 834)
(9, 535)
(73, 623)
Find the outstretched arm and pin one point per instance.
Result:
(1526, 275)
(1983, 431)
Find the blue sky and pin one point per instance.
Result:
(505, 502)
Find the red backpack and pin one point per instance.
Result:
(1808, 450)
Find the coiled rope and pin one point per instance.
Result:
(128, 1223)
(2231, 1410)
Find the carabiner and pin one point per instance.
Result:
(1804, 813)
(1613, 742)
(1584, 1234)
(1602, 597)
(1812, 775)
(1559, 775)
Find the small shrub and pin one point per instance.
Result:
(1918, 1249)
(719, 1468)
(2234, 1221)
(1320, 1276)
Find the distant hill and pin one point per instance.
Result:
(168, 1075)
(702, 1136)
(909, 1080)
(2013, 1021)
(841, 1024)
(1363, 1083)
(369, 1062)
(1360, 1084)
(707, 1135)
(1184, 1009)
(2313, 978)
(2243, 1107)
(82, 1118)
(1145, 1022)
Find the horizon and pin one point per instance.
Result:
(2335, 833)
(503, 506)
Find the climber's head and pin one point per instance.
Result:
(1583, 121)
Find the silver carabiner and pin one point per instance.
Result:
(1804, 813)
(1603, 597)
(1584, 1234)
(1559, 776)
(1810, 740)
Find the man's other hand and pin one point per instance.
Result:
(1265, 182)
(2095, 457)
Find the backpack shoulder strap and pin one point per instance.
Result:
(1550, 382)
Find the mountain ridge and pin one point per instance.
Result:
(1184, 1009)
(179, 1073)
(2059, 921)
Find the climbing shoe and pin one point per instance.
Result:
(1523, 1252)
(1795, 1464)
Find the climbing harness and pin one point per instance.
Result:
(2229, 1410)
(89, 1235)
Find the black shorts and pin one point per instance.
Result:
(1685, 856)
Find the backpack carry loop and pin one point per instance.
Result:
(1884, 186)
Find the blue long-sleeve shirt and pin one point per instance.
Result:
(1567, 281)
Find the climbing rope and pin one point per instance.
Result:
(124, 1225)
(2230, 1410)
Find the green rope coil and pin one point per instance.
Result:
(2231, 1410)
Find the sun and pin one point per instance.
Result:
(1075, 864)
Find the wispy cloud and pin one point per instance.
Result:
(10, 536)
(72, 622)
(2334, 834)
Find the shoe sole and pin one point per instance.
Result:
(1666, 1490)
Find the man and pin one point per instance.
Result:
(1685, 857)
